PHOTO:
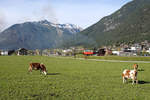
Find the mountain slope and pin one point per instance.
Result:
(35, 35)
(128, 24)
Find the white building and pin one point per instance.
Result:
(116, 53)
(4, 53)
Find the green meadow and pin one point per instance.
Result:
(70, 79)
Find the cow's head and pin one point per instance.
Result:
(135, 66)
(43, 68)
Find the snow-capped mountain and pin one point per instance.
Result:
(36, 35)
(71, 27)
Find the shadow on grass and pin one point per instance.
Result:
(140, 70)
(53, 73)
(35, 95)
(143, 82)
(140, 82)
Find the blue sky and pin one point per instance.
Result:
(80, 12)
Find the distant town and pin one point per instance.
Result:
(137, 49)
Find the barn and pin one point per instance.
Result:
(101, 52)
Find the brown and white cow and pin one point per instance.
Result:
(37, 66)
(130, 74)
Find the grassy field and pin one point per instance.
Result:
(70, 79)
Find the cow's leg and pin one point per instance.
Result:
(30, 69)
(136, 81)
(133, 80)
(41, 71)
(124, 80)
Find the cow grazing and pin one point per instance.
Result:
(130, 74)
(37, 66)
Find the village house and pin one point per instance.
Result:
(22, 51)
(4, 53)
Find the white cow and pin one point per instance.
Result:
(130, 74)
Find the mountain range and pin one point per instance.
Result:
(129, 24)
(36, 35)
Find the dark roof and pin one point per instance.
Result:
(22, 49)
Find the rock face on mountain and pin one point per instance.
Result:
(36, 35)
(131, 23)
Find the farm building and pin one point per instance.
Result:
(4, 53)
(108, 52)
(88, 52)
(22, 51)
(101, 52)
